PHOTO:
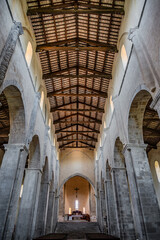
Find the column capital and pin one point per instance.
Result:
(21, 147)
(34, 169)
(130, 146)
(107, 180)
(155, 104)
(117, 169)
(18, 26)
(132, 33)
(38, 95)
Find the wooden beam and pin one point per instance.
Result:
(63, 118)
(87, 144)
(81, 133)
(100, 44)
(50, 75)
(75, 140)
(58, 73)
(97, 11)
(79, 110)
(78, 132)
(94, 120)
(73, 125)
(73, 147)
(78, 95)
(66, 144)
(75, 121)
(69, 135)
(80, 76)
(50, 47)
(95, 71)
(63, 105)
(58, 92)
(91, 118)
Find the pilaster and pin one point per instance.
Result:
(9, 48)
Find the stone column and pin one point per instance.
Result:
(149, 73)
(28, 206)
(121, 194)
(50, 214)
(144, 200)
(8, 49)
(11, 175)
(42, 210)
(112, 219)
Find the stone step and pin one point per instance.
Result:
(77, 227)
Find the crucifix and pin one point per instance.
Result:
(76, 189)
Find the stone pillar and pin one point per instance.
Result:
(50, 213)
(28, 206)
(11, 175)
(149, 73)
(8, 49)
(144, 200)
(121, 194)
(112, 219)
(42, 210)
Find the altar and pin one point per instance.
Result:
(76, 217)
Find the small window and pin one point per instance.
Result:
(84, 210)
(21, 191)
(42, 100)
(70, 211)
(76, 204)
(124, 56)
(29, 53)
(157, 168)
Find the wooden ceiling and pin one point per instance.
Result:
(76, 42)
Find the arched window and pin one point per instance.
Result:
(42, 100)
(124, 56)
(157, 168)
(29, 53)
(76, 204)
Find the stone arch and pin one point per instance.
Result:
(16, 114)
(136, 115)
(119, 160)
(74, 175)
(34, 153)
